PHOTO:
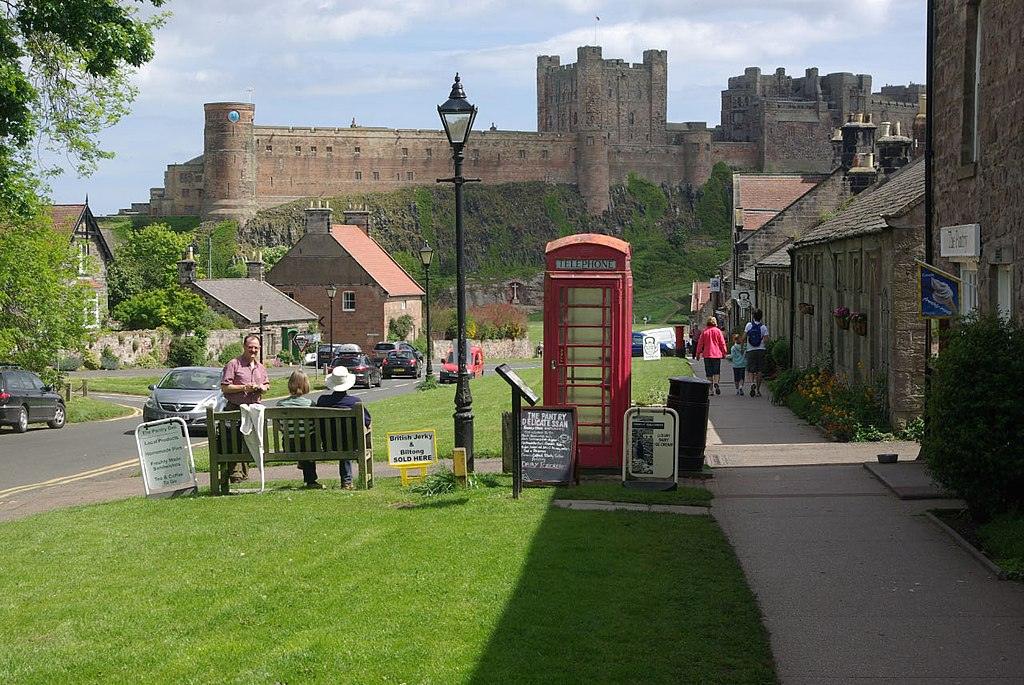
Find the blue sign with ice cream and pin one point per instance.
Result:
(939, 292)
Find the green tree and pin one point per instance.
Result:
(42, 303)
(64, 77)
(714, 208)
(176, 308)
(147, 260)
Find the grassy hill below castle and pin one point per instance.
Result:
(678, 234)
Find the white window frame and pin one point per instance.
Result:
(969, 288)
(1004, 291)
(348, 301)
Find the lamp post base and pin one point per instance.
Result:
(464, 419)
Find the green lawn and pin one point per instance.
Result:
(373, 586)
(81, 409)
(614, 492)
(1001, 539)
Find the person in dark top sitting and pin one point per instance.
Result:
(338, 382)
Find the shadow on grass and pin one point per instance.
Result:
(628, 597)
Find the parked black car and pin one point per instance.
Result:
(382, 349)
(401, 363)
(24, 399)
(366, 372)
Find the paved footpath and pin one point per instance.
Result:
(854, 584)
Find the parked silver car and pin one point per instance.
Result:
(185, 392)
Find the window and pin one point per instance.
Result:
(376, 175)
(92, 311)
(971, 83)
(403, 304)
(312, 148)
(430, 152)
(298, 149)
(184, 192)
(543, 154)
(357, 150)
(348, 301)
(522, 154)
(475, 154)
(1004, 294)
(410, 175)
(631, 119)
(405, 152)
(330, 148)
(856, 275)
(270, 148)
(969, 292)
(359, 175)
(83, 258)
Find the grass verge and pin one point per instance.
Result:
(373, 586)
(82, 409)
(1001, 539)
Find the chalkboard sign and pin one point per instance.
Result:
(548, 444)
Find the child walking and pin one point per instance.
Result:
(738, 358)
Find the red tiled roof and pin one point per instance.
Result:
(378, 263)
(763, 196)
(65, 217)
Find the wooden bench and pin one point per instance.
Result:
(291, 434)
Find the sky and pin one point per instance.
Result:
(391, 62)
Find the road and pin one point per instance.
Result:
(43, 457)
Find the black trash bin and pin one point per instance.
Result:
(688, 395)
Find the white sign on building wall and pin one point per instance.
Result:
(960, 241)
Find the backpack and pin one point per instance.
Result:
(754, 336)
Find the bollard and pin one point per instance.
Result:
(85, 387)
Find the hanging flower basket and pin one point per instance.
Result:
(842, 317)
(860, 323)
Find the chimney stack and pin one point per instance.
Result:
(862, 175)
(358, 216)
(893, 149)
(858, 138)
(187, 268)
(318, 218)
(254, 267)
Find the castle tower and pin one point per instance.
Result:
(229, 161)
(591, 138)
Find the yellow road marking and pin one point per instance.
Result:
(71, 478)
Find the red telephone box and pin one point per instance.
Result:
(588, 323)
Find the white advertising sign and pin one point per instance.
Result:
(961, 241)
(652, 349)
(744, 298)
(650, 445)
(165, 455)
(411, 449)
(715, 285)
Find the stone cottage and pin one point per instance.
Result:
(245, 300)
(864, 259)
(371, 287)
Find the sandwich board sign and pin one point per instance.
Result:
(165, 455)
(650, 458)
(652, 349)
(412, 451)
(547, 442)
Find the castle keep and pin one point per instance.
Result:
(597, 121)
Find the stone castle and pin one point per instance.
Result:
(597, 121)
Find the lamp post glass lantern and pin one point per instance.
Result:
(426, 255)
(457, 117)
(332, 290)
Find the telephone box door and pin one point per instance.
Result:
(578, 354)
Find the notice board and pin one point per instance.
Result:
(548, 444)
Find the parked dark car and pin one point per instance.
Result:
(366, 372)
(401, 363)
(185, 392)
(326, 352)
(25, 399)
(381, 350)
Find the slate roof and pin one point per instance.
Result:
(245, 295)
(388, 274)
(866, 214)
(779, 257)
(66, 217)
(763, 196)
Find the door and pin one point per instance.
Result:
(582, 365)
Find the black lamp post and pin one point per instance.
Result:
(457, 116)
(426, 255)
(332, 290)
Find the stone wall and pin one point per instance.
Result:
(131, 346)
(987, 189)
(520, 348)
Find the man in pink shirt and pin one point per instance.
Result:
(244, 381)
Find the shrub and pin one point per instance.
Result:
(400, 328)
(149, 361)
(451, 330)
(499, 322)
(108, 360)
(784, 385)
(90, 361)
(974, 423)
(778, 353)
(187, 350)
(284, 356)
(230, 351)
(71, 362)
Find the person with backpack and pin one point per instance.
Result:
(756, 334)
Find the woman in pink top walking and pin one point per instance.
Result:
(711, 346)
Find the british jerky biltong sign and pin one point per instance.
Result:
(548, 443)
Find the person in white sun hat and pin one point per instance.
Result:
(338, 382)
